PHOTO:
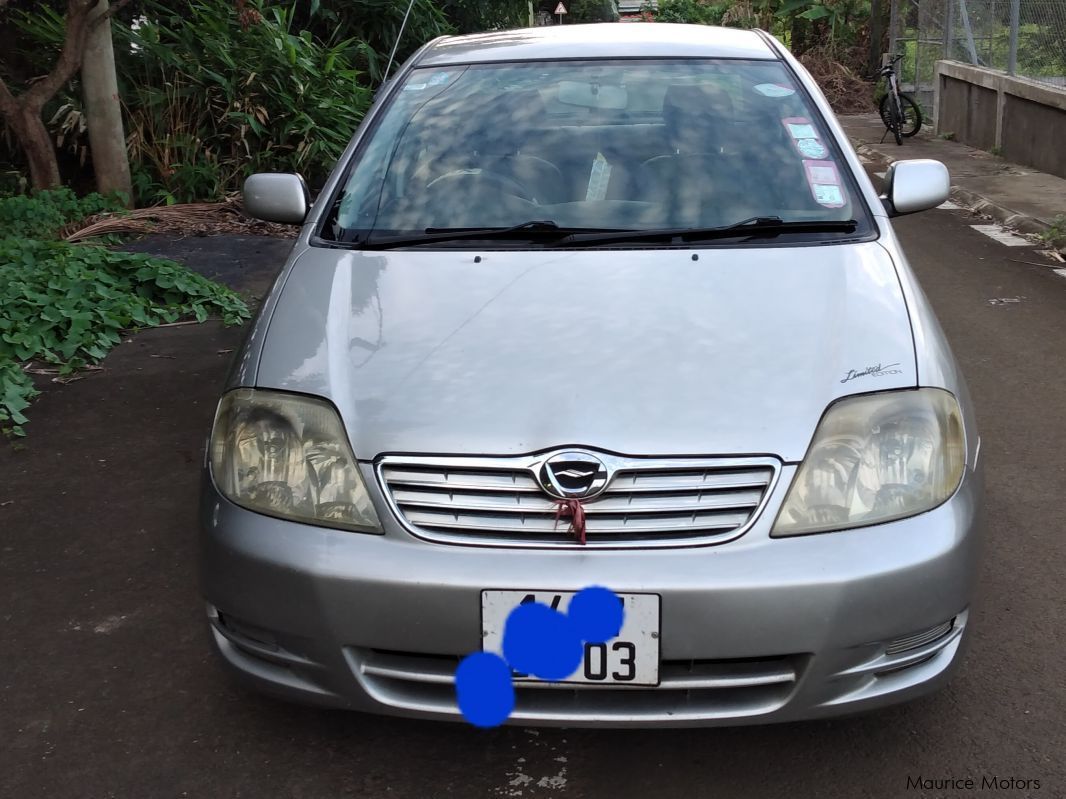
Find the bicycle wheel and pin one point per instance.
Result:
(910, 116)
(890, 115)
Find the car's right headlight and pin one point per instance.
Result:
(876, 458)
(287, 455)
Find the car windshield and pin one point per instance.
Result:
(629, 145)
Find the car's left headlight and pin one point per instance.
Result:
(876, 458)
(287, 455)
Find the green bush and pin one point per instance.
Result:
(475, 16)
(592, 11)
(43, 214)
(212, 96)
(66, 305)
(691, 11)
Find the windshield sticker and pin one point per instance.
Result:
(801, 130)
(438, 78)
(804, 137)
(821, 174)
(774, 90)
(414, 87)
(599, 177)
(811, 148)
(824, 180)
(827, 195)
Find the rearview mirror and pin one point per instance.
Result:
(593, 95)
(276, 197)
(915, 185)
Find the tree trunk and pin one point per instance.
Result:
(873, 60)
(103, 112)
(22, 115)
(36, 144)
(798, 39)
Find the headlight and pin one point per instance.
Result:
(287, 455)
(876, 458)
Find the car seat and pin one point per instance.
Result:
(702, 174)
(492, 139)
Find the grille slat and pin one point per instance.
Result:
(463, 481)
(688, 481)
(611, 503)
(538, 523)
(648, 502)
(919, 639)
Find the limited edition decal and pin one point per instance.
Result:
(877, 370)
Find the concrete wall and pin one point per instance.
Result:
(989, 109)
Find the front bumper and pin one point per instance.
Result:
(753, 631)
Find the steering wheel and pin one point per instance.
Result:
(502, 182)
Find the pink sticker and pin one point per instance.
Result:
(824, 180)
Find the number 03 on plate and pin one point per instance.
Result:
(632, 658)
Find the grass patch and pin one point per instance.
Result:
(66, 305)
(1055, 235)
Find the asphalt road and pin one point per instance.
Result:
(109, 689)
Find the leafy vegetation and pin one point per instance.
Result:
(581, 11)
(212, 99)
(1055, 235)
(690, 11)
(65, 305)
(42, 215)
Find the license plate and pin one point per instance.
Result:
(632, 658)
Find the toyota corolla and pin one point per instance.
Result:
(606, 305)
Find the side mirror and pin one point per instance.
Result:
(915, 185)
(276, 197)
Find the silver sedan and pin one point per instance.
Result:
(606, 305)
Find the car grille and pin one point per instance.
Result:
(688, 689)
(648, 502)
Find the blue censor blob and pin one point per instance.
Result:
(543, 642)
(540, 641)
(597, 614)
(484, 689)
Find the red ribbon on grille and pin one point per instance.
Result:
(576, 511)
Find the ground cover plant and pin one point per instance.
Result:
(63, 306)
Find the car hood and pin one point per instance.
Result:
(639, 352)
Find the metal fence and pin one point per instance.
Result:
(1020, 37)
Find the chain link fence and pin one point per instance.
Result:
(1021, 37)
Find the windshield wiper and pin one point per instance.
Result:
(535, 230)
(755, 227)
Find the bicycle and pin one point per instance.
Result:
(900, 114)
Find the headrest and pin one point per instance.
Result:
(696, 116)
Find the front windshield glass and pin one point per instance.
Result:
(594, 145)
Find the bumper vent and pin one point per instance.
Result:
(646, 502)
(689, 689)
(918, 640)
